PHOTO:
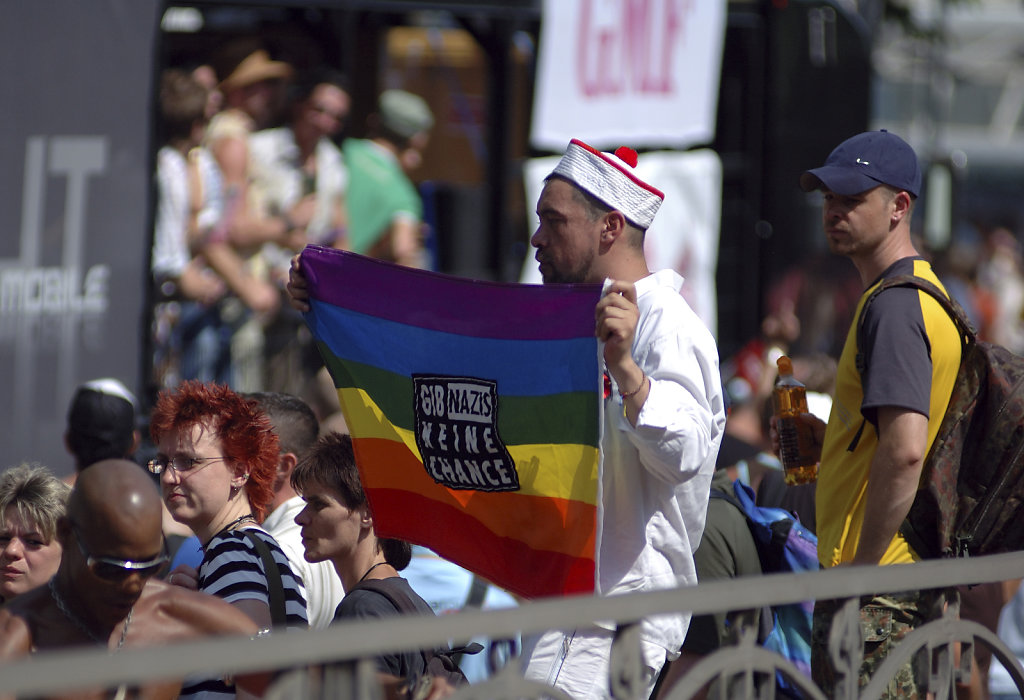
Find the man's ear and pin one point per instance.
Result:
(285, 466)
(902, 204)
(613, 226)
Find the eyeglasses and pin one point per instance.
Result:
(180, 463)
(111, 569)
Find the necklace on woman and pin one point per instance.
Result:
(363, 577)
(238, 521)
(80, 624)
(248, 517)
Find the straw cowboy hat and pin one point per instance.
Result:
(255, 68)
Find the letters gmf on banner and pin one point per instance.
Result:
(642, 73)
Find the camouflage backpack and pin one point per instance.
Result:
(969, 500)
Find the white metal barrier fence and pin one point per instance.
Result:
(64, 671)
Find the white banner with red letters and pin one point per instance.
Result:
(639, 73)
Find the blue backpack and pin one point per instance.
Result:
(783, 545)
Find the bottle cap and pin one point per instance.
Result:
(785, 365)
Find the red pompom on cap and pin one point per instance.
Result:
(626, 155)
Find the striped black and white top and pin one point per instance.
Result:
(232, 570)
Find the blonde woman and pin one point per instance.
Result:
(32, 500)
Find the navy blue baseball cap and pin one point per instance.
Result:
(865, 161)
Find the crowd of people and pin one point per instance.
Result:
(254, 165)
(214, 540)
(253, 521)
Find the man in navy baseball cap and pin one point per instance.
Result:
(865, 161)
(894, 379)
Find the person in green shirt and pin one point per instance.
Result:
(384, 206)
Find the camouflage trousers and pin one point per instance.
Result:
(884, 621)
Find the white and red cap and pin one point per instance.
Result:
(610, 178)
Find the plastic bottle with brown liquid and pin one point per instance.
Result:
(789, 400)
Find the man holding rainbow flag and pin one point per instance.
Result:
(620, 509)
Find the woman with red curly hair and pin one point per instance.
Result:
(217, 459)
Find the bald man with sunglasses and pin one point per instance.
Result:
(105, 593)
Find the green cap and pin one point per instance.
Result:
(404, 113)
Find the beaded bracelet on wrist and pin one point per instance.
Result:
(627, 394)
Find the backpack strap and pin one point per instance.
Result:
(275, 586)
(718, 493)
(950, 305)
(404, 604)
(398, 598)
(477, 592)
(760, 543)
(766, 618)
(395, 595)
(474, 599)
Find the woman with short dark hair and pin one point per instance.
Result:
(337, 526)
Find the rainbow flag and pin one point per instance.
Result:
(475, 412)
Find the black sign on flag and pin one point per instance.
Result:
(457, 433)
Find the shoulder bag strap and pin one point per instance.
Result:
(275, 586)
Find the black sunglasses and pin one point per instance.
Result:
(112, 569)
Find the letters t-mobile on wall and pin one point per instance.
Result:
(53, 302)
(76, 203)
(27, 286)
